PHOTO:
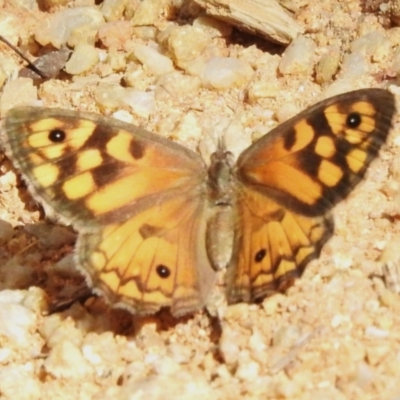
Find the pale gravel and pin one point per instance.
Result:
(334, 335)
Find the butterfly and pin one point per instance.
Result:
(155, 222)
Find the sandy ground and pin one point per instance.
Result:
(334, 335)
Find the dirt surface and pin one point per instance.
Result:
(334, 335)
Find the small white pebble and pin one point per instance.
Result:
(101, 349)
(189, 130)
(165, 366)
(141, 103)
(368, 44)
(59, 27)
(286, 336)
(5, 354)
(123, 115)
(108, 96)
(180, 353)
(55, 330)
(16, 322)
(186, 43)
(224, 72)
(176, 84)
(376, 332)
(20, 382)
(67, 361)
(152, 59)
(354, 65)
(147, 12)
(90, 353)
(338, 320)
(257, 342)
(113, 10)
(35, 299)
(83, 58)
(115, 34)
(18, 92)
(299, 57)
(228, 346)
(261, 89)
(365, 375)
(248, 371)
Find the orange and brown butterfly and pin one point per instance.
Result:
(153, 219)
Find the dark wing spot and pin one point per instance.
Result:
(103, 174)
(276, 215)
(163, 271)
(137, 149)
(260, 255)
(289, 139)
(353, 120)
(57, 136)
(147, 231)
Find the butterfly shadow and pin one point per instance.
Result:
(40, 255)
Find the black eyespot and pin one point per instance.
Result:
(163, 271)
(260, 255)
(57, 136)
(353, 120)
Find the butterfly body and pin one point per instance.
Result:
(155, 223)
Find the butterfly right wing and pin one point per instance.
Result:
(289, 180)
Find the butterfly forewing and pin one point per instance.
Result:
(291, 178)
(313, 160)
(93, 169)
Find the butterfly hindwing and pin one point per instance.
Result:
(272, 246)
(155, 259)
(291, 178)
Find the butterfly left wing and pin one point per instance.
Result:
(136, 199)
(291, 178)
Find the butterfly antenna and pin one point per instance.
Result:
(221, 145)
(24, 57)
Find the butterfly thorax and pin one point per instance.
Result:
(221, 188)
(220, 178)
